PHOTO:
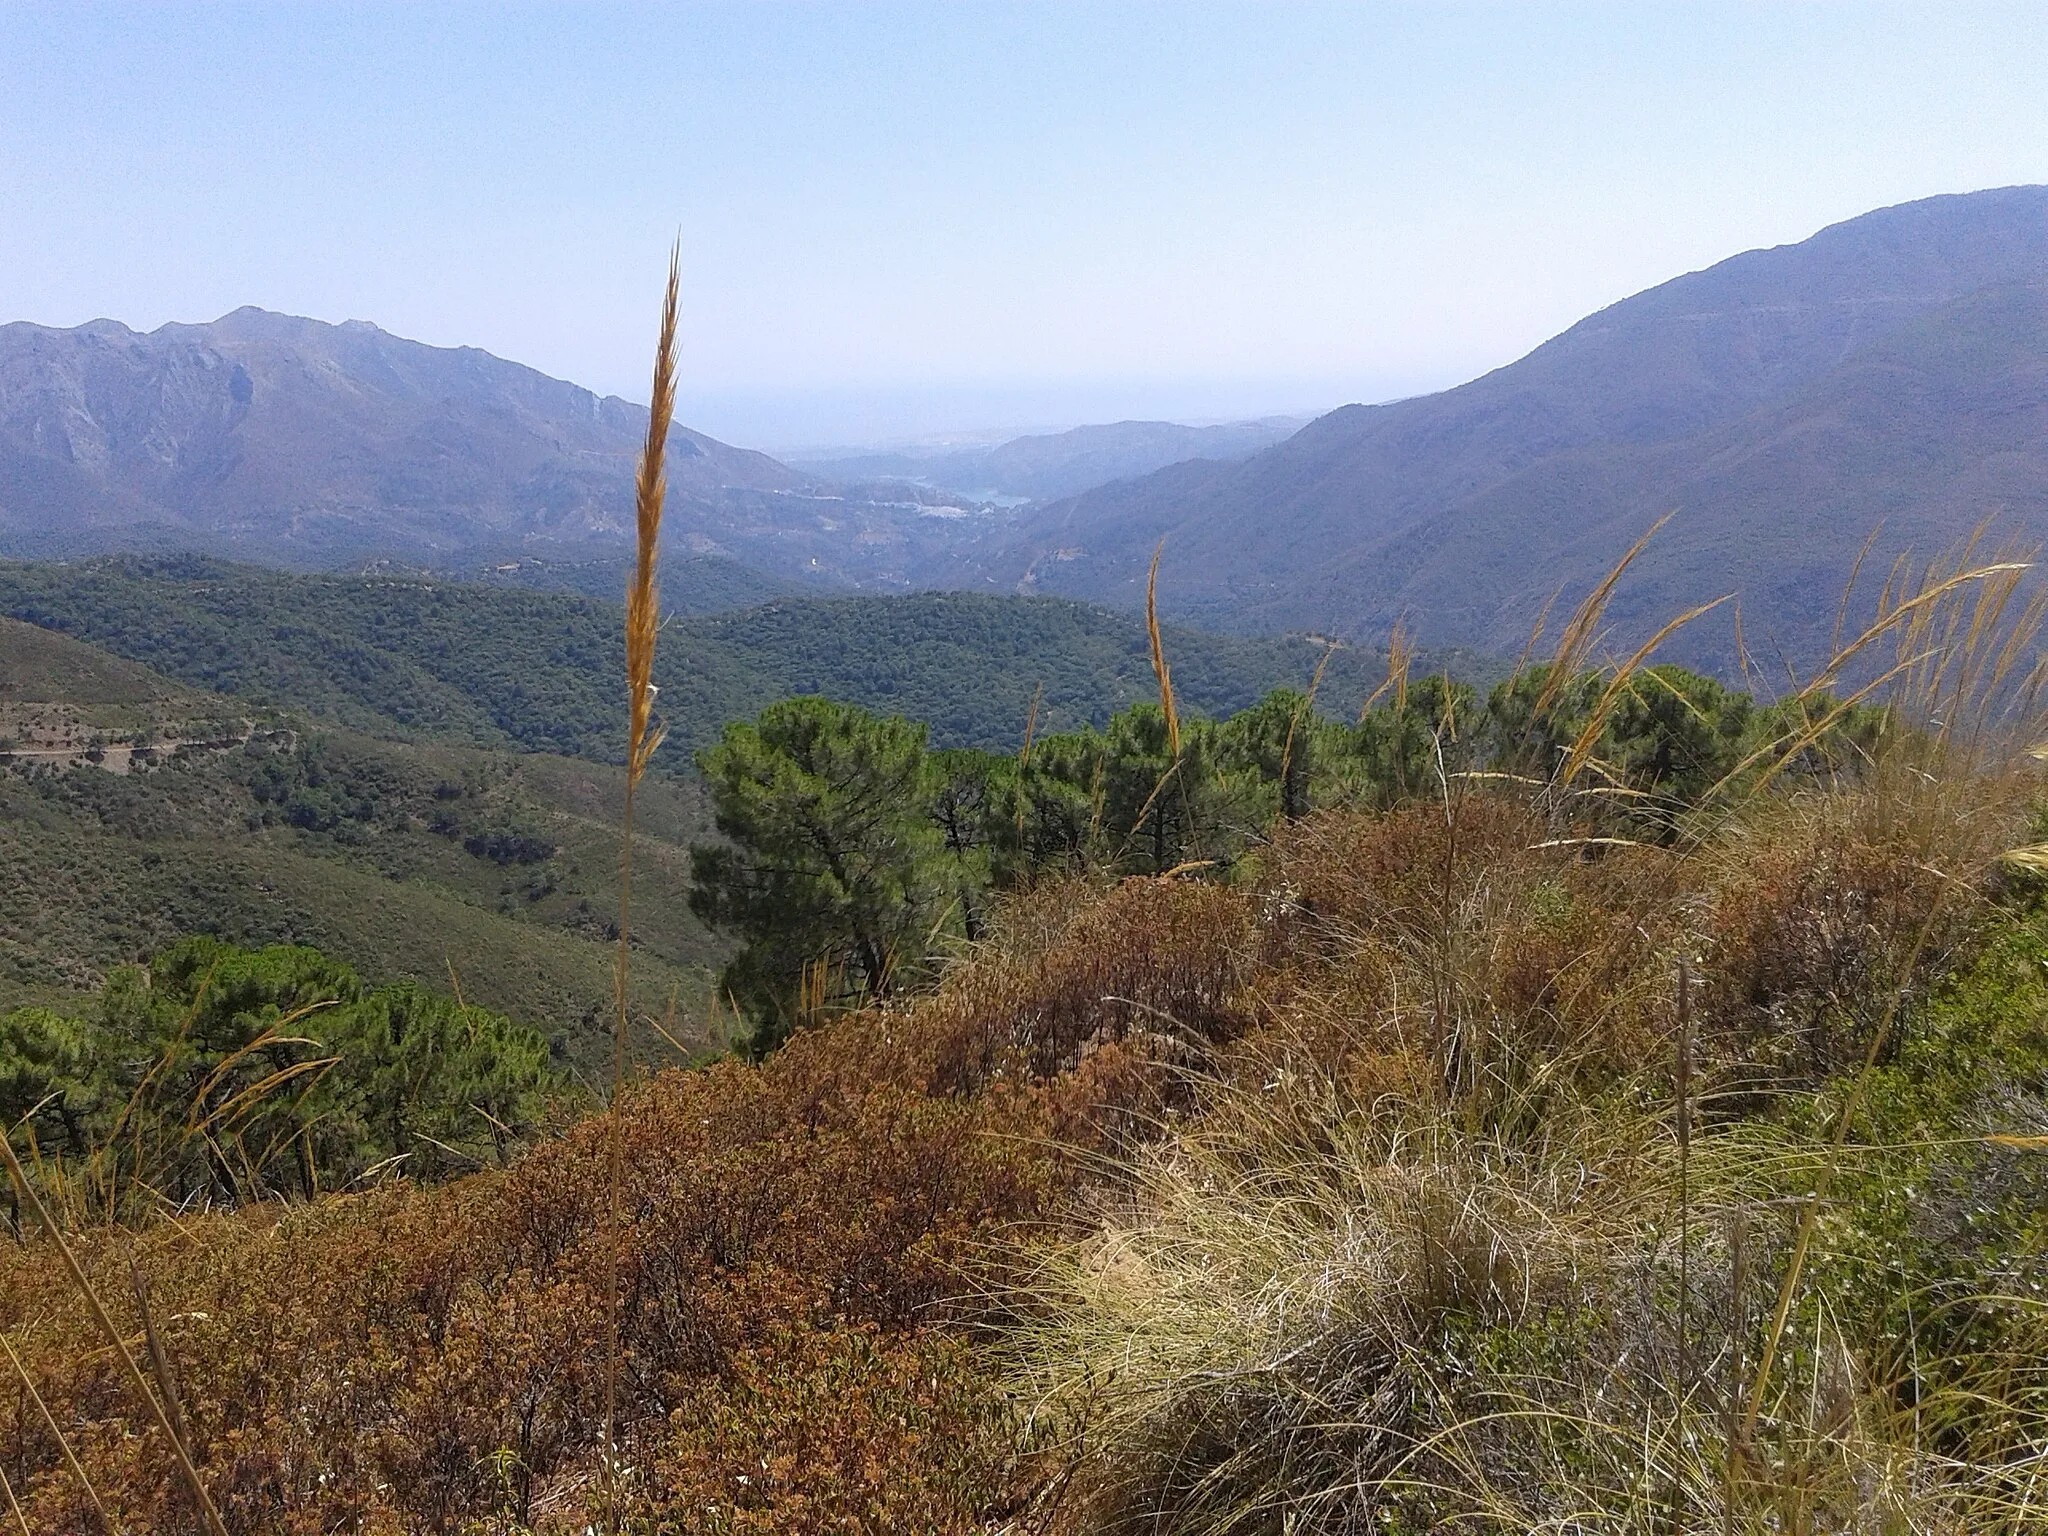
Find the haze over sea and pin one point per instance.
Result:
(903, 220)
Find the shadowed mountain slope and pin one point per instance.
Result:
(1919, 439)
(1782, 402)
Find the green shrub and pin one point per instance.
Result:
(223, 1074)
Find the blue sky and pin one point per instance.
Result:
(899, 220)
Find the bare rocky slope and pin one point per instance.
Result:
(297, 442)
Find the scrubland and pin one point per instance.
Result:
(1356, 1193)
(1518, 1127)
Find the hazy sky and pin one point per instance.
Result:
(900, 220)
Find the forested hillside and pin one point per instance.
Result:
(537, 670)
(495, 869)
(135, 811)
(416, 776)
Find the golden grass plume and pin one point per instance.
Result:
(1160, 669)
(643, 625)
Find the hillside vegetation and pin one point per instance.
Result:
(538, 670)
(425, 819)
(221, 1075)
(62, 703)
(504, 887)
(690, 584)
(408, 861)
(44, 667)
(855, 860)
(1626, 1116)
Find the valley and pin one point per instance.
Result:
(420, 777)
(1883, 376)
(1048, 466)
(1194, 981)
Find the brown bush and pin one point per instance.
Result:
(802, 1241)
(421, 1359)
(1468, 937)
(1810, 939)
(811, 1246)
(1077, 967)
(813, 1431)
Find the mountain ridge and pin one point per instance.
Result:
(1046, 465)
(1267, 543)
(126, 393)
(313, 444)
(1755, 398)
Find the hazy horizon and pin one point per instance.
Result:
(907, 222)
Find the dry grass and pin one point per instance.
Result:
(1428, 1256)
(1416, 1262)
(643, 627)
(1267, 1334)
(165, 1413)
(1160, 669)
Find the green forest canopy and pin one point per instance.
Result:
(541, 670)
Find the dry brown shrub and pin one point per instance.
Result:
(1076, 966)
(813, 1430)
(425, 1359)
(1816, 911)
(801, 1243)
(1466, 936)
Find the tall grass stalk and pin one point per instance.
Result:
(1168, 707)
(14, 1505)
(643, 624)
(1303, 712)
(1738, 1330)
(63, 1442)
(1160, 669)
(1684, 1107)
(1400, 657)
(1581, 633)
(1024, 755)
(114, 1337)
(160, 1361)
